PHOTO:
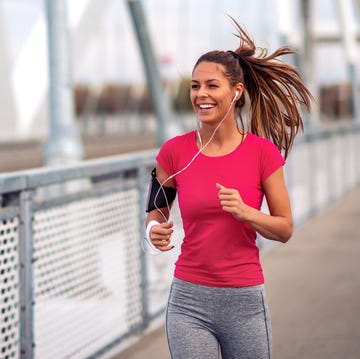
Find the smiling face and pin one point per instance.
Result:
(211, 93)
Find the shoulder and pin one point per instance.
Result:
(260, 141)
(265, 149)
(263, 145)
(268, 155)
(174, 151)
(176, 147)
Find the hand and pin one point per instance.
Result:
(160, 236)
(231, 202)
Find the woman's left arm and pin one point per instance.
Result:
(278, 225)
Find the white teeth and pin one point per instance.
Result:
(205, 105)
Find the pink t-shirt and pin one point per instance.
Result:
(217, 249)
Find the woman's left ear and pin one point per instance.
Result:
(239, 89)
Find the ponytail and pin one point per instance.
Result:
(275, 89)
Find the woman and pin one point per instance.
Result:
(221, 174)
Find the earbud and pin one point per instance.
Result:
(235, 97)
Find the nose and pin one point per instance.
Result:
(202, 92)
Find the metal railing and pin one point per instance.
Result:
(74, 280)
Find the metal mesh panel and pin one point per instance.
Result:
(9, 289)
(300, 179)
(321, 186)
(87, 274)
(161, 267)
(350, 144)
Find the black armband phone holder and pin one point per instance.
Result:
(162, 195)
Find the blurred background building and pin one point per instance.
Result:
(106, 72)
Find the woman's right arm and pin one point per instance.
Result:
(160, 234)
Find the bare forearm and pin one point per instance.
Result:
(278, 224)
(277, 228)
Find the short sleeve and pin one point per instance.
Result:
(270, 159)
(165, 156)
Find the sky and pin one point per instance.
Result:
(181, 30)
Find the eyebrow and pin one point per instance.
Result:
(210, 80)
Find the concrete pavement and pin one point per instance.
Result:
(313, 290)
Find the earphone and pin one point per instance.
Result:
(235, 97)
(202, 147)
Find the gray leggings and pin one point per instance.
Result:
(202, 322)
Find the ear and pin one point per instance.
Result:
(239, 89)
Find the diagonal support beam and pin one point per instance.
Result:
(166, 125)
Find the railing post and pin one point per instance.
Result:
(143, 176)
(26, 275)
(349, 42)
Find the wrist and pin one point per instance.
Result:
(249, 215)
(149, 245)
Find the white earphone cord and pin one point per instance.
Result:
(190, 162)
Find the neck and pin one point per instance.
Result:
(220, 135)
(221, 142)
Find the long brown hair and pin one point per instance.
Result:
(275, 89)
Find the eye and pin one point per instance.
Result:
(213, 86)
(194, 86)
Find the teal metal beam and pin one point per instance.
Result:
(166, 126)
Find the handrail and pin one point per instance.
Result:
(45, 176)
